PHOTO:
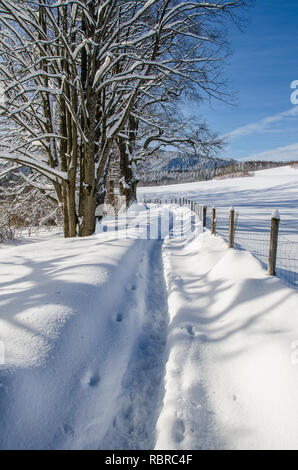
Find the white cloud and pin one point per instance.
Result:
(262, 125)
(287, 153)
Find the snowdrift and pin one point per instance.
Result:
(118, 343)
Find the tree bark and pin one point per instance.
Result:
(129, 186)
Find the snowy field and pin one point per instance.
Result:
(254, 199)
(117, 341)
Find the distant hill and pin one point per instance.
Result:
(174, 167)
(171, 166)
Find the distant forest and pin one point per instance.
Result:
(234, 169)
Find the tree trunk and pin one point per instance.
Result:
(88, 194)
(87, 227)
(128, 183)
(71, 207)
(65, 212)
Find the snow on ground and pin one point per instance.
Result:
(255, 197)
(116, 341)
(230, 381)
(71, 314)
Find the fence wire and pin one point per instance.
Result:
(255, 238)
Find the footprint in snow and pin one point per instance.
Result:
(190, 330)
(119, 318)
(67, 430)
(94, 381)
(178, 431)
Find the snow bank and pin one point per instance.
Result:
(71, 312)
(231, 382)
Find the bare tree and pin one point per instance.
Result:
(76, 77)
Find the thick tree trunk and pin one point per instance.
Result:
(71, 207)
(128, 183)
(87, 226)
(88, 194)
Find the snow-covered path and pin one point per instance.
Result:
(129, 343)
(140, 401)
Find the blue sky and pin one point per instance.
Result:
(264, 124)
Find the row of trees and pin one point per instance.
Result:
(218, 171)
(81, 81)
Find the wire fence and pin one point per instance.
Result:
(253, 236)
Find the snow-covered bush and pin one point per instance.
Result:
(25, 208)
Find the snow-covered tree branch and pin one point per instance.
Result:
(76, 77)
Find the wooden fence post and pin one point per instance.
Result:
(213, 221)
(275, 219)
(232, 227)
(204, 215)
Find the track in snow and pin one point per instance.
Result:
(140, 400)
